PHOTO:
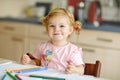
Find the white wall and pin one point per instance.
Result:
(12, 8)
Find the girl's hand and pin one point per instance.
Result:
(71, 68)
(25, 59)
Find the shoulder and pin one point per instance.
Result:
(73, 46)
(43, 44)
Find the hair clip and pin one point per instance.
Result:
(75, 26)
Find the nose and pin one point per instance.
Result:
(56, 28)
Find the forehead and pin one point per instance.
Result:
(59, 18)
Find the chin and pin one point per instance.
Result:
(58, 39)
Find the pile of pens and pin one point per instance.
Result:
(19, 73)
(9, 74)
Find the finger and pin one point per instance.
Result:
(71, 66)
(25, 59)
(70, 63)
(68, 71)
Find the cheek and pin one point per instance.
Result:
(50, 32)
(68, 31)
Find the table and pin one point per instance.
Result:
(49, 72)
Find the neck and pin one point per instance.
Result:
(59, 43)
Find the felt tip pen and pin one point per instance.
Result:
(3, 78)
(17, 76)
(12, 76)
(47, 77)
(32, 70)
(43, 77)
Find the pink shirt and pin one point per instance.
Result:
(57, 57)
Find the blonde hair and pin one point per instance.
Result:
(76, 24)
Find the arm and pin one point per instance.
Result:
(75, 63)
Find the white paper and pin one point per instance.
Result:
(49, 72)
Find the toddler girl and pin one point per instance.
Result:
(58, 53)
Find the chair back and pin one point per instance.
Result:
(93, 69)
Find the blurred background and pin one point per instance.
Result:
(108, 9)
(90, 11)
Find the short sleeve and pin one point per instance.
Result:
(76, 56)
(38, 51)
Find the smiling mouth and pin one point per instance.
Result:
(56, 34)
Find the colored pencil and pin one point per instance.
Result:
(43, 77)
(17, 76)
(46, 77)
(12, 76)
(32, 70)
(18, 69)
(3, 78)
